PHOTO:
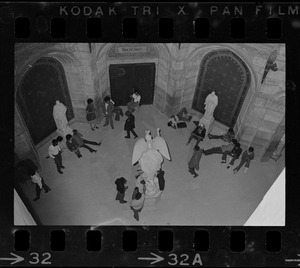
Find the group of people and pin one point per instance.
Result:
(232, 149)
(138, 195)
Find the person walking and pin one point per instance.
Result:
(130, 125)
(108, 108)
(91, 114)
(78, 138)
(246, 158)
(121, 188)
(194, 162)
(54, 152)
(39, 183)
(137, 202)
(72, 145)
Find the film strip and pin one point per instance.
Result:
(174, 54)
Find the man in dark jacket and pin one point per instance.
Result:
(121, 188)
(247, 156)
(81, 142)
(194, 162)
(198, 134)
(72, 145)
(235, 154)
(130, 125)
(221, 149)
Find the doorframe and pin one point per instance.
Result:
(206, 58)
(134, 61)
(35, 147)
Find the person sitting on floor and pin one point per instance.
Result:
(198, 134)
(135, 101)
(227, 137)
(183, 115)
(72, 145)
(235, 154)
(222, 149)
(81, 142)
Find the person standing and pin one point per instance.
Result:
(247, 156)
(39, 183)
(194, 162)
(54, 152)
(121, 188)
(72, 145)
(108, 108)
(227, 137)
(137, 202)
(161, 179)
(91, 114)
(77, 137)
(130, 125)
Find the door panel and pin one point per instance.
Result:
(227, 74)
(41, 86)
(124, 77)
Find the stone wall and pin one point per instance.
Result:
(177, 69)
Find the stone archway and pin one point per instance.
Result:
(41, 86)
(226, 73)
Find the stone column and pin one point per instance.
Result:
(277, 153)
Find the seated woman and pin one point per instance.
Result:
(183, 115)
(134, 102)
(227, 137)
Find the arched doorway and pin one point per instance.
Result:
(225, 73)
(41, 86)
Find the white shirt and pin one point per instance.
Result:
(136, 98)
(36, 178)
(53, 150)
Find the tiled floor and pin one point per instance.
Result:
(85, 193)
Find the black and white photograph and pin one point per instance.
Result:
(185, 134)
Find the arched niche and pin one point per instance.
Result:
(43, 84)
(227, 74)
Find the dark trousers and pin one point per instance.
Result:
(224, 157)
(77, 152)
(192, 170)
(120, 197)
(215, 136)
(118, 111)
(90, 142)
(243, 161)
(109, 119)
(38, 189)
(87, 147)
(136, 213)
(132, 131)
(197, 138)
(58, 161)
(215, 150)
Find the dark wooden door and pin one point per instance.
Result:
(226, 74)
(41, 86)
(124, 77)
